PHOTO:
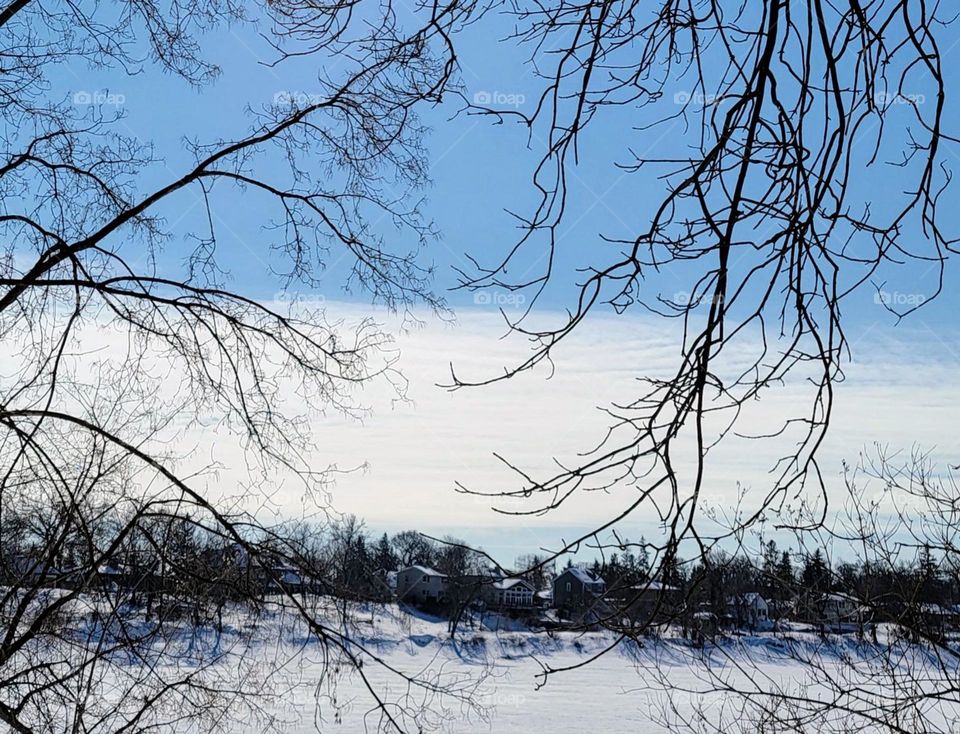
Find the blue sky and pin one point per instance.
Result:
(478, 171)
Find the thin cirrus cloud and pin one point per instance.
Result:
(898, 391)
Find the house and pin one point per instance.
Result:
(704, 625)
(282, 577)
(650, 601)
(421, 585)
(748, 610)
(837, 608)
(509, 593)
(29, 568)
(938, 619)
(114, 576)
(782, 609)
(576, 591)
(544, 598)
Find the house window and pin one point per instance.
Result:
(568, 587)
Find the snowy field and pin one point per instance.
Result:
(282, 678)
(620, 691)
(594, 698)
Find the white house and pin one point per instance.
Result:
(419, 584)
(839, 608)
(510, 594)
(749, 609)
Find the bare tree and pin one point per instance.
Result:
(775, 112)
(115, 359)
(897, 671)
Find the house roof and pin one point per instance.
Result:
(582, 575)
(505, 584)
(836, 596)
(425, 570)
(748, 599)
(655, 586)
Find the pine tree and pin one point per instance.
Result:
(768, 583)
(672, 574)
(816, 573)
(384, 557)
(785, 577)
(929, 574)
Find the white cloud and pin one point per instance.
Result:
(898, 391)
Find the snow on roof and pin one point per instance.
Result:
(655, 586)
(505, 584)
(837, 596)
(582, 575)
(425, 570)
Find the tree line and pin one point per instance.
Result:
(177, 566)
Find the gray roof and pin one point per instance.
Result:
(582, 575)
(505, 584)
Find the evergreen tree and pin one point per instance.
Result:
(785, 577)
(815, 576)
(928, 572)
(384, 557)
(767, 582)
(672, 573)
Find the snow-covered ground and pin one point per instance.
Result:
(622, 690)
(489, 677)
